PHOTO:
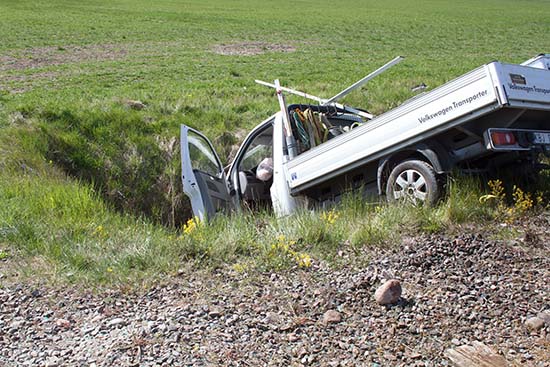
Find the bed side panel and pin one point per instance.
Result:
(455, 99)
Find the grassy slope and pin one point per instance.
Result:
(62, 110)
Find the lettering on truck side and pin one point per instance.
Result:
(529, 89)
(452, 106)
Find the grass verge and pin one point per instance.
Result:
(60, 229)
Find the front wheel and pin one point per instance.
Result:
(413, 182)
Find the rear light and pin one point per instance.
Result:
(506, 140)
(503, 138)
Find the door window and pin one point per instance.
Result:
(261, 147)
(255, 155)
(202, 156)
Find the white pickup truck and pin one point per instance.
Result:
(492, 116)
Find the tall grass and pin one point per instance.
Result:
(64, 223)
(61, 228)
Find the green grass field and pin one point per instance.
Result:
(86, 181)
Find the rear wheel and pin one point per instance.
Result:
(413, 182)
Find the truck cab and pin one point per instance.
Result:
(212, 189)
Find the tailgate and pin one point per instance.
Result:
(524, 86)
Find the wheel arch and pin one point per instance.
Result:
(430, 152)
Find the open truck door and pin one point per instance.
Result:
(202, 174)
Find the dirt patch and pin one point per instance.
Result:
(23, 83)
(25, 78)
(40, 57)
(251, 48)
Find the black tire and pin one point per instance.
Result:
(413, 182)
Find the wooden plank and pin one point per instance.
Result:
(475, 355)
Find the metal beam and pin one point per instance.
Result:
(321, 101)
(359, 83)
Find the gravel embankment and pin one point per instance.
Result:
(456, 290)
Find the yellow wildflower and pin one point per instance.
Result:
(330, 216)
(239, 268)
(303, 260)
(191, 225)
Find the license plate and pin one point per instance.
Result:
(541, 138)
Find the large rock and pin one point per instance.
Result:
(135, 105)
(388, 293)
(332, 317)
(272, 318)
(52, 362)
(116, 322)
(534, 323)
(545, 316)
(215, 311)
(63, 323)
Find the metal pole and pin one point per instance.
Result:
(289, 90)
(290, 140)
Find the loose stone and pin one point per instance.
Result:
(332, 317)
(388, 293)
